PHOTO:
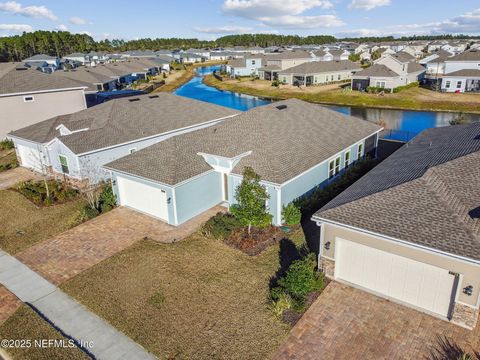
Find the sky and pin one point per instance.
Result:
(210, 19)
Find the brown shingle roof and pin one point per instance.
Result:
(376, 70)
(284, 143)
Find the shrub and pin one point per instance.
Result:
(376, 89)
(6, 144)
(291, 214)
(281, 303)
(36, 192)
(220, 226)
(404, 87)
(108, 200)
(276, 83)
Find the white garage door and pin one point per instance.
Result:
(396, 277)
(144, 198)
(30, 158)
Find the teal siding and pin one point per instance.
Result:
(198, 195)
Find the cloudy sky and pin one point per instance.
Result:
(208, 19)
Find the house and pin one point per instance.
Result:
(417, 51)
(365, 56)
(323, 55)
(93, 81)
(319, 72)
(456, 47)
(409, 229)
(247, 66)
(75, 146)
(42, 58)
(462, 72)
(435, 63)
(338, 54)
(389, 72)
(188, 58)
(96, 57)
(80, 58)
(293, 145)
(201, 52)
(221, 55)
(281, 61)
(28, 96)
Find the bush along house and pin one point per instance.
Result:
(293, 145)
(409, 230)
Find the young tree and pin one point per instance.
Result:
(251, 197)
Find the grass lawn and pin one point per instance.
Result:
(8, 160)
(411, 99)
(24, 224)
(197, 298)
(25, 324)
(176, 79)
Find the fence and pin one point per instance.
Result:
(399, 135)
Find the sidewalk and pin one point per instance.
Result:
(66, 314)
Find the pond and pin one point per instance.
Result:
(400, 125)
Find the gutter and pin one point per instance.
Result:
(44, 91)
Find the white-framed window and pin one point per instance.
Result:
(28, 98)
(333, 167)
(64, 164)
(447, 84)
(339, 77)
(360, 150)
(132, 150)
(459, 84)
(380, 84)
(253, 62)
(348, 158)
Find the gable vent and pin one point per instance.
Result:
(134, 99)
(281, 107)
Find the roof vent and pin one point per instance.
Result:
(153, 96)
(281, 107)
(21, 68)
(475, 213)
(134, 99)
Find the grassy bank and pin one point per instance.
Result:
(411, 99)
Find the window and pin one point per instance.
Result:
(339, 77)
(28, 98)
(447, 84)
(360, 151)
(380, 84)
(331, 78)
(459, 84)
(253, 62)
(99, 87)
(63, 163)
(132, 150)
(347, 158)
(333, 167)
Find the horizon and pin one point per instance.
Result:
(210, 20)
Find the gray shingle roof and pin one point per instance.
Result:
(13, 80)
(300, 54)
(376, 70)
(464, 73)
(284, 143)
(39, 57)
(414, 67)
(470, 55)
(121, 120)
(316, 67)
(423, 193)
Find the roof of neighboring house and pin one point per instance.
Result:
(336, 52)
(377, 70)
(320, 53)
(77, 54)
(315, 67)
(84, 76)
(283, 143)
(294, 54)
(123, 120)
(464, 73)
(442, 55)
(16, 78)
(403, 57)
(470, 55)
(39, 57)
(414, 67)
(425, 193)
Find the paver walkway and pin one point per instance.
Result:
(347, 323)
(67, 314)
(11, 177)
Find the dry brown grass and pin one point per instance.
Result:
(23, 224)
(25, 324)
(197, 298)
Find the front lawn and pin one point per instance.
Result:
(8, 160)
(24, 224)
(197, 298)
(26, 325)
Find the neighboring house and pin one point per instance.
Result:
(293, 145)
(201, 52)
(319, 72)
(365, 56)
(94, 57)
(281, 61)
(76, 58)
(77, 145)
(323, 55)
(188, 58)
(417, 51)
(247, 66)
(455, 47)
(409, 229)
(339, 54)
(389, 72)
(436, 45)
(93, 81)
(42, 58)
(435, 63)
(220, 55)
(462, 72)
(29, 96)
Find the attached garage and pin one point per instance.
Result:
(401, 279)
(143, 197)
(30, 157)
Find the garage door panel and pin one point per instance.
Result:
(142, 197)
(30, 158)
(396, 277)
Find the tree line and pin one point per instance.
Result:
(61, 43)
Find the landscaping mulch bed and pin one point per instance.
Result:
(254, 243)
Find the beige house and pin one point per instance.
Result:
(29, 96)
(409, 230)
(319, 72)
(282, 61)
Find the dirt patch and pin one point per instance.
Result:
(255, 242)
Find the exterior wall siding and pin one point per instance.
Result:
(17, 114)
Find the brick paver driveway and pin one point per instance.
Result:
(346, 323)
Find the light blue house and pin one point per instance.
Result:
(246, 66)
(76, 146)
(293, 145)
